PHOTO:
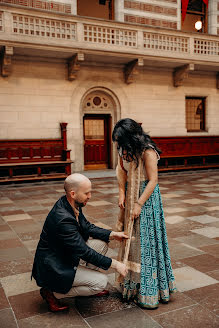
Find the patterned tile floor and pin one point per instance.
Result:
(191, 206)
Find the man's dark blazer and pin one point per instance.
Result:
(61, 246)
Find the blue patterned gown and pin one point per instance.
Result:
(155, 281)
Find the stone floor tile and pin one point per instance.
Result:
(210, 232)
(177, 264)
(185, 279)
(28, 304)
(214, 208)
(13, 254)
(3, 300)
(30, 235)
(163, 188)
(99, 203)
(174, 210)
(10, 268)
(7, 319)
(203, 218)
(211, 249)
(31, 244)
(169, 195)
(174, 219)
(69, 319)
(102, 225)
(194, 201)
(18, 284)
(192, 317)
(201, 185)
(24, 226)
(177, 301)
(109, 191)
(211, 194)
(183, 228)
(92, 306)
(214, 274)
(16, 217)
(6, 200)
(10, 243)
(43, 212)
(182, 251)
(11, 212)
(214, 224)
(203, 263)
(207, 297)
(197, 240)
(133, 318)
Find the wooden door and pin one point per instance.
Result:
(97, 150)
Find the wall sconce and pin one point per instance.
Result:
(198, 25)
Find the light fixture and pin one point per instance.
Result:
(198, 25)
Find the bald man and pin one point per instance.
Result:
(71, 249)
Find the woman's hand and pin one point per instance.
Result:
(122, 200)
(136, 211)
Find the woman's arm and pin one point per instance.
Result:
(150, 162)
(122, 178)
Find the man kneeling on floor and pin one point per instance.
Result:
(64, 242)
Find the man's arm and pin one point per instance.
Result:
(71, 242)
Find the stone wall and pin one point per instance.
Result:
(164, 14)
(37, 97)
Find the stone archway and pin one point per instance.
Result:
(100, 110)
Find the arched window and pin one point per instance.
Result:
(196, 12)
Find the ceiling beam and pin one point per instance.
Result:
(74, 66)
(6, 61)
(131, 70)
(180, 74)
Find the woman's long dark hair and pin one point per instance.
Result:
(131, 139)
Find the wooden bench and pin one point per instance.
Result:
(182, 153)
(35, 159)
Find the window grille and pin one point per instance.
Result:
(195, 114)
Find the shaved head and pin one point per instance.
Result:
(73, 182)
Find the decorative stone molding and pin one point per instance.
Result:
(74, 66)
(205, 47)
(181, 73)
(110, 36)
(131, 70)
(1, 21)
(6, 61)
(165, 42)
(44, 28)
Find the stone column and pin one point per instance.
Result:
(213, 14)
(119, 10)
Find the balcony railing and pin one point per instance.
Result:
(35, 27)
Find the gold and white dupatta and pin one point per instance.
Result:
(130, 250)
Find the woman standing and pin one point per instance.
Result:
(150, 278)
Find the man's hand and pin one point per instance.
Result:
(120, 267)
(118, 235)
